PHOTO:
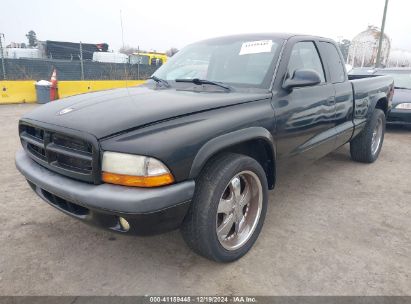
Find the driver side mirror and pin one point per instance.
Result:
(302, 78)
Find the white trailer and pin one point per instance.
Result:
(110, 57)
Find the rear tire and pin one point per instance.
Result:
(228, 208)
(367, 145)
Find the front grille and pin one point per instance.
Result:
(65, 154)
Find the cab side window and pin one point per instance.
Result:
(305, 56)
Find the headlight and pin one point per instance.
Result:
(404, 106)
(134, 170)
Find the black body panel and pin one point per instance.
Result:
(399, 117)
(110, 112)
(177, 142)
(148, 211)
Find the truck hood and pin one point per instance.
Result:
(108, 112)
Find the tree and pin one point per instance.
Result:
(128, 50)
(344, 46)
(171, 52)
(32, 38)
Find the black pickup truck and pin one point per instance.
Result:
(200, 144)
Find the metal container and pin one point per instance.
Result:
(43, 91)
(364, 48)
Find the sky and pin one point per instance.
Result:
(159, 25)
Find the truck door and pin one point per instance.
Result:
(305, 116)
(344, 99)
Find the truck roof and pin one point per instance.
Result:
(264, 36)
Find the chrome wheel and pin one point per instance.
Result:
(376, 136)
(239, 210)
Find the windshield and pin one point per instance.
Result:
(402, 79)
(237, 62)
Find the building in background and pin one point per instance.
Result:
(73, 50)
(55, 50)
(112, 57)
(364, 48)
(17, 53)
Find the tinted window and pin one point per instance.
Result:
(333, 59)
(305, 56)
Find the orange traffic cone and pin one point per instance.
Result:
(53, 88)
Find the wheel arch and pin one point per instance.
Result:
(256, 142)
(382, 104)
(380, 101)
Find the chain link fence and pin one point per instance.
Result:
(75, 61)
(36, 69)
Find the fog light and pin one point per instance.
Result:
(124, 224)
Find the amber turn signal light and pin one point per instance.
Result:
(138, 181)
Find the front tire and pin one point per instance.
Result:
(228, 208)
(367, 145)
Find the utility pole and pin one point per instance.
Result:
(138, 62)
(122, 30)
(81, 61)
(122, 41)
(2, 56)
(378, 63)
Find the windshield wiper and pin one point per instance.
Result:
(204, 81)
(402, 88)
(159, 80)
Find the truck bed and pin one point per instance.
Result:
(367, 91)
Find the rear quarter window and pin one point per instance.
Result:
(333, 59)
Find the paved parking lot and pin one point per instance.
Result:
(338, 228)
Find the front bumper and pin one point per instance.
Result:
(399, 117)
(148, 211)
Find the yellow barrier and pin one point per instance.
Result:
(69, 88)
(17, 91)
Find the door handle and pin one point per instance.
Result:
(330, 101)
